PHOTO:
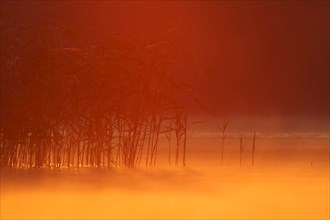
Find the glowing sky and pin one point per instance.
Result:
(242, 58)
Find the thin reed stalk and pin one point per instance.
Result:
(253, 147)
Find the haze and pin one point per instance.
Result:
(164, 109)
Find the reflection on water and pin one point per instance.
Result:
(282, 188)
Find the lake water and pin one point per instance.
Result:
(290, 180)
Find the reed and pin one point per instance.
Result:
(71, 102)
(253, 147)
(241, 150)
(222, 129)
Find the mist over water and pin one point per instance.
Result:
(290, 179)
(266, 126)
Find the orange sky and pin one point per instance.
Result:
(242, 58)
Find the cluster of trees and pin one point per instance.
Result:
(70, 100)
